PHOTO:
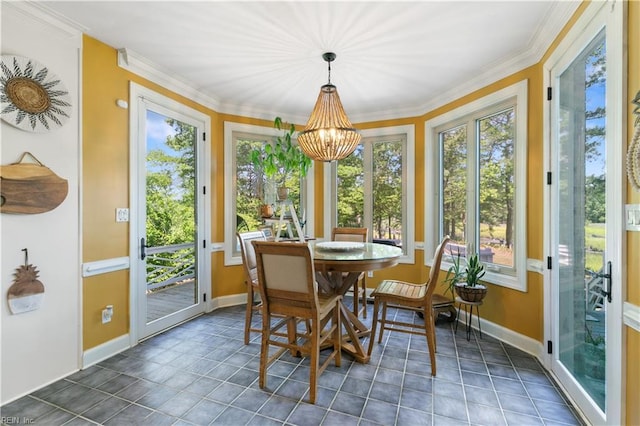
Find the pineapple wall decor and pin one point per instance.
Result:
(27, 292)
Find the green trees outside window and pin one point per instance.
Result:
(480, 170)
(171, 187)
(370, 188)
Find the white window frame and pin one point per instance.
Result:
(432, 216)
(232, 257)
(408, 188)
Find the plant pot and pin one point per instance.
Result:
(471, 294)
(283, 193)
(266, 210)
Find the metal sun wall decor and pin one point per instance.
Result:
(32, 98)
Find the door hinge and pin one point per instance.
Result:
(204, 190)
(204, 297)
(549, 92)
(549, 347)
(548, 178)
(548, 262)
(204, 243)
(204, 136)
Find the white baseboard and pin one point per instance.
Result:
(122, 343)
(520, 341)
(226, 301)
(105, 350)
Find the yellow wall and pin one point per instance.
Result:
(499, 302)
(633, 238)
(100, 290)
(105, 185)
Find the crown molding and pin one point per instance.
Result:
(139, 65)
(53, 21)
(557, 18)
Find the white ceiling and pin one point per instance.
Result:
(262, 59)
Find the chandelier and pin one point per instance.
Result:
(329, 135)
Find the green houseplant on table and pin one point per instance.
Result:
(281, 160)
(466, 282)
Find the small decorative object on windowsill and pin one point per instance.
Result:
(466, 283)
(282, 160)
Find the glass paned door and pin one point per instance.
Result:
(168, 280)
(171, 280)
(581, 221)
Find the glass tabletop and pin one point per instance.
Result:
(368, 252)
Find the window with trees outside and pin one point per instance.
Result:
(370, 187)
(247, 188)
(477, 155)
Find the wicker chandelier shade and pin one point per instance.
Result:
(328, 135)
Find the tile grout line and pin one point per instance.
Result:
(464, 392)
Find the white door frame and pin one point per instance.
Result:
(596, 16)
(137, 94)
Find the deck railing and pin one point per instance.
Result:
(167, 265)
(593, 288)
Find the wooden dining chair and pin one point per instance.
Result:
(359, 235)
(250, 278)
(286, 278)
(409, 296)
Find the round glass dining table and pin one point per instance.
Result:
(336, 272)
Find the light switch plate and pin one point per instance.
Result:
(632, 217)
(122, 214)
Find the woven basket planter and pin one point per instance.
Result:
(471, 294)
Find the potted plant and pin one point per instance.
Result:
(281, 160)
(455, 274)
(466, 283)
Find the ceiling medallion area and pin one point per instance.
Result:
(32, 97)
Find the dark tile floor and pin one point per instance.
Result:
(201, 373)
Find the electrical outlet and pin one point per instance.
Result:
(122, 214)
(633, 217)
(107, 313)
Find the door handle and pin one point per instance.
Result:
(607, 277)
(143, 246)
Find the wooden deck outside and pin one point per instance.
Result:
(165, 301)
